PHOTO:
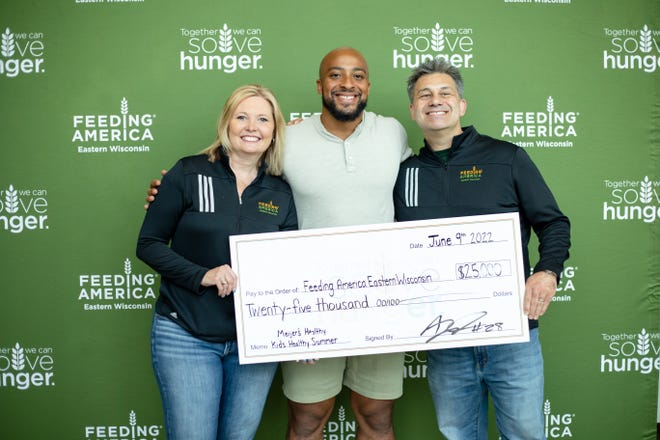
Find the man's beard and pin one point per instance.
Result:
(342, 115)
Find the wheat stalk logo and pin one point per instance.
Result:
(643, 343)
(225, 39)
(132, 420)
(551, 104)
(438, 38)
(7, 48)
(645, 39)
(124, 110)
(128, 270)
(18, 357)
(11, 200)
(342, 419)
(645, 193)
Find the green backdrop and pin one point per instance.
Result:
(97, 96)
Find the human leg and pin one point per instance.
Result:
(311, 390)
(514, 376)
(307, 420)
(374, 417)
(459, 395)
(244, 392)
(189, 375)
(375, 382)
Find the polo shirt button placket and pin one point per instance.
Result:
(350, 164)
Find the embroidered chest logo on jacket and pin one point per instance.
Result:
(268, 208)
(205, 193)
(471, 175)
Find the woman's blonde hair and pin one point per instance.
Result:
(273, 155)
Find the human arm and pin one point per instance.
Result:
(552, 228)
(158, 229)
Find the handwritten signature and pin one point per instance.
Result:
(469, 323)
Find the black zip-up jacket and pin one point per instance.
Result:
(186, 232)
(483, 175)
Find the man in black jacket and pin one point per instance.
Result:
(460, 172)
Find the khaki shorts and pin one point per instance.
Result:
(378, 376)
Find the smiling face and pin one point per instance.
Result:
(344, 84)
(251, 127)
(436, 105)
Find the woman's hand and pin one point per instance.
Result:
(223, 278)
(153, 190)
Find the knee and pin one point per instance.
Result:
(374, 416)
(306, 420)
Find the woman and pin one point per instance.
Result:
(203, 200)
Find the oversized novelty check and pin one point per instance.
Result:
(383, 288)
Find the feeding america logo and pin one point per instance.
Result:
(632, 200)
(26, 367)
(223, 49)
(632, 49)
(416, 45)
(21, 53)
(549, 128)
(23, 209)
(117, 291)
(122, 132)
(131, 431)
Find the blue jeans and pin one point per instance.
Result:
(461, 379)
(206, 394)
